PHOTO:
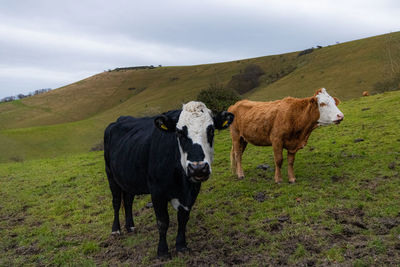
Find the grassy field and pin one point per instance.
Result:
(344, 208)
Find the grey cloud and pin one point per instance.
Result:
(76, 38)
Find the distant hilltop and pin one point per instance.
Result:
(21, 96)
(136, 68)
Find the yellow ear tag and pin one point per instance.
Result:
(225, 123)
(164, 127)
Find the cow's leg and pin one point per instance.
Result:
(277, 146)
(238, 147)
(128, 201)
(116, 202)
(160, 205)
(183, 217)
(235, 137)
(290, 156)
(242, 148)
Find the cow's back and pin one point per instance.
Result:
(254, 120)
(126, 152)
(289, 121)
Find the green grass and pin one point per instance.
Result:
(344, 208)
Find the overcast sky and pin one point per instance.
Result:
(49, 43)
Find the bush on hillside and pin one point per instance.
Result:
(98, 147)
(217, 97)
(275, 74)
(307, 51)
(246, 81)
(392, 84)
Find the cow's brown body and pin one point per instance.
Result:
(285, 123)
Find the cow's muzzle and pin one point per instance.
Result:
(339, 117)
(338, 121)
(199, 171)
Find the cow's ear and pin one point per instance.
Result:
(337, 101)
(165, 123)
(223, 119)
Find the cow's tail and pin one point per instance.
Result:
(106, 142)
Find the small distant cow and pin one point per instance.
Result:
(365, 93)
(285, 123)
(167, 156)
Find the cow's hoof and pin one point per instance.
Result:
(241, 177)
(116, 233)
(164, 256)
(183, 250)
(131, 229)
(278, 182)
(292, 181)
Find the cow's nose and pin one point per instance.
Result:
(340, 116)
(198, 169)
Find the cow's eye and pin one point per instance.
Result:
(180, 133)
(210, 134)
(210, 131)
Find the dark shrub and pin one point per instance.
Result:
(217, 98)
(277, 73)
(136, 90)
(98, 147)
(392, 84)
(305, 52)
(246, 81)
(16, 159)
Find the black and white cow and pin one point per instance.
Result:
(167, 156)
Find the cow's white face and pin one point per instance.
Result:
(195, 132)
(328, 110)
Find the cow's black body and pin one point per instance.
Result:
(143, 159)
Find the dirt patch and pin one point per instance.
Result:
(337, 178)
(351, 219)
(345, 215)
(14, 221)
(382, 226)
(36, 224)
(392, 165)
(32, 249)
(290, 245)
(116, 253)
(363, 248)
(276, 225)
(261, 196)
(211, 250)
(381, 248)
(206, 248)
(237, 247)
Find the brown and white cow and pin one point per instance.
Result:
(285, 123)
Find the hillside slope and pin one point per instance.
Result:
(71, 119)
(346, 69)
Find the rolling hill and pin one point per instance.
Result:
(71, 119)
